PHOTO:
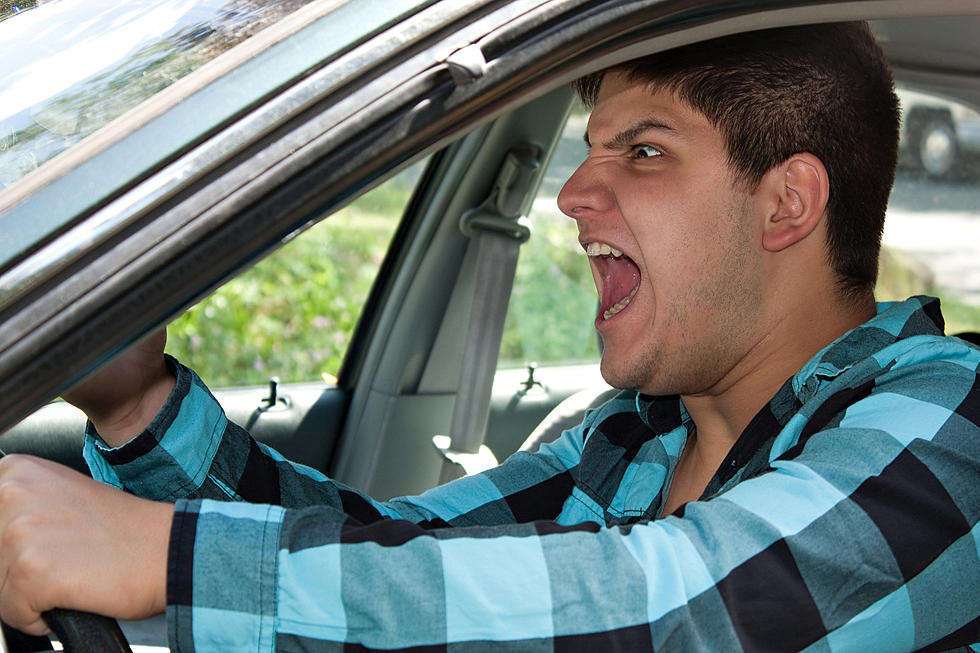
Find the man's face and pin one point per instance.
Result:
(680, 305)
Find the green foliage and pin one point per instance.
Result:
(293, 314)
(901, 276)
(960, 317)
(553, 306)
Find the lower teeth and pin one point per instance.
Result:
(620, 305)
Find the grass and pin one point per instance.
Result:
(292, 315)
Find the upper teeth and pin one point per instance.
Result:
(602, 249)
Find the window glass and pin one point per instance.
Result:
(553, 306)
(293, 314)
(931, 243)
(69, 67)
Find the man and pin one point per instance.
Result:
(789, 467)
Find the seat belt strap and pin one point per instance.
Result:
(496, 232)
(496, 261)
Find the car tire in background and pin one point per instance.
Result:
(934, 146)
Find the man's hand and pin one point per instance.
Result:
(67, 541)
(124, 396)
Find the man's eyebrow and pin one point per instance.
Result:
(628, 136)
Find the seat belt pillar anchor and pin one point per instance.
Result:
(479, 220)
(501, 211)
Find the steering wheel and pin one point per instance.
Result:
(77, 632)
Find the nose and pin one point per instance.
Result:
(583, 193)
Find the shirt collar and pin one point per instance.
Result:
(894, 321)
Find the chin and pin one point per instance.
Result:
(621, 374)
(648, 375)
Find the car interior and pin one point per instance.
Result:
(370, 420)
(397, 386)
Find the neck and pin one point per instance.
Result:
(724, 410)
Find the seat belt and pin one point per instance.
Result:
(496, 231)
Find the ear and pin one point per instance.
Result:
(797, 193)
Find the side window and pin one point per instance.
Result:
(931, 243)
(553, 304)
(292, 315)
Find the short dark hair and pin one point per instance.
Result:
(824, 89)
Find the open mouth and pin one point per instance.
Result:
(617, 278)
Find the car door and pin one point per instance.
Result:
(304, 419)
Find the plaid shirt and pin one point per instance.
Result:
(844, 519)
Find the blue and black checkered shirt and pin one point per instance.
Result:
(844, 519)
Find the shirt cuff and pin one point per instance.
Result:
(222, 576)
(171, 458)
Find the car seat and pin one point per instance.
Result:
(567, 414)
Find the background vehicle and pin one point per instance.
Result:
(939, 137)
(412, 107)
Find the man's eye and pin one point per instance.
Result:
(645, 152)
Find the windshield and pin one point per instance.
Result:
(69, 67)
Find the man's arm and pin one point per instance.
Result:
(68, 541)
(860, 536)
(123, 397)
(190, 450)
(61, 533)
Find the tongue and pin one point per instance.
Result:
(619, 277)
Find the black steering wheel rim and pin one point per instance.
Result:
(77, 631)
(84, 631)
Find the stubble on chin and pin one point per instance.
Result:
(688, 368)
(632, 373)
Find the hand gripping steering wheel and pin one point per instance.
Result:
(77, 631)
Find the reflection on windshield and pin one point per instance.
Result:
(10, 7)
(69, 67)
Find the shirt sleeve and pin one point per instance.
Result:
(192, 451)
(861, 536)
